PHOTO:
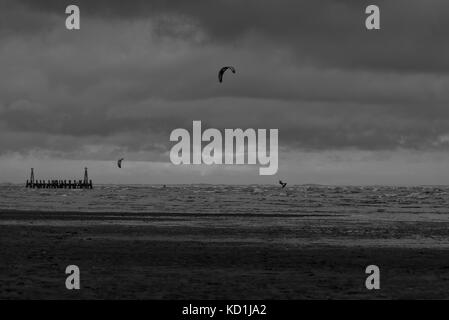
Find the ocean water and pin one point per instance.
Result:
(426, 203)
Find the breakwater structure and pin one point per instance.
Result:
(58, 183)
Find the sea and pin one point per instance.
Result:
(297, 215)
(359, 202)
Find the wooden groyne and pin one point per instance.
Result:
(86, 183)
(59, 184)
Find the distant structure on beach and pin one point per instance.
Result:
(59, 184)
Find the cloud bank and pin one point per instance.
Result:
(139, 69)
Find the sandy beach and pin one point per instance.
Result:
(199, 257)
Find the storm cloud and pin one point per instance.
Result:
(139, 69)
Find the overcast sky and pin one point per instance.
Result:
(352, 106)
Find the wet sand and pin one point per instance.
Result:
(197, 257)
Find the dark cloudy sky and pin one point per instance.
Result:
(352, 106)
